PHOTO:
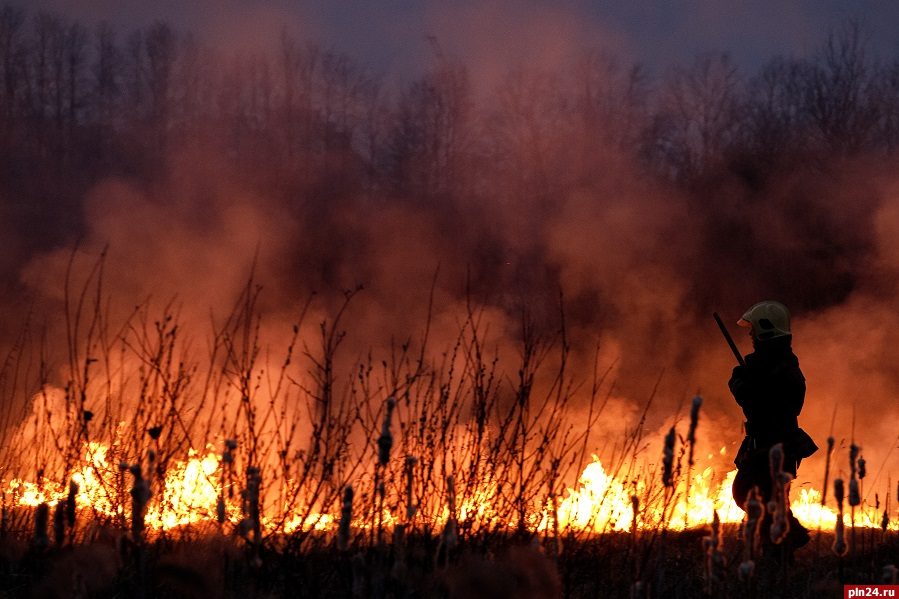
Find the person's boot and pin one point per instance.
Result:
(798, 535)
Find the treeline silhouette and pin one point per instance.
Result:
(317, 131)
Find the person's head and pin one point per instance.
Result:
(767, 320)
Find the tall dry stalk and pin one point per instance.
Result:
(714, 559)
(751, 533)
(839, 544)
(779, 504)
(346, 519)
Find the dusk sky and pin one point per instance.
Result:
(391, 36)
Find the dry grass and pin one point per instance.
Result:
(399, 455)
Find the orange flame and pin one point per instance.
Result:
(601, 502)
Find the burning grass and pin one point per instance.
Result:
(150, 471)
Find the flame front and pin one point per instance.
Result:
(191, 490)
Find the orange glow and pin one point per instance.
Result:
(600, 502)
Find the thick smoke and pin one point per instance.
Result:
(576, 187)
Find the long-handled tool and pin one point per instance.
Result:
(730, 341)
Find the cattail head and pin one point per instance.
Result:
(635, 511)
(853, 456)
(70, 503)
(450, 534)
(385, 441)
(254, 484)
(230, 444)
(694, 418)
(776, 459)
(451, 494)
(714, 563)
(779, 528)
(753, 505)
(838, 492)
(140, 495)
(41, 520)
(885, 521)
(346, 516)
(854, 497)
(751, 526)
(668, 459)
(778, 506)
(59, 524)
(220, 509)
(250, 526)
(411, 508)
(840, 547)
(862, 471)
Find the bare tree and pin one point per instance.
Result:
(75, 58)
(611, 100)
(134, 80)
(106, 74)
(298, 68)
(774, 125)
(46, 28)
(697, 115)
(12, 63)
(530, 133)
(885, 96)
(431, 135)
(195, 81)
(838, 92)
(161, 49)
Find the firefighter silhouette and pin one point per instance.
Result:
(770, 389)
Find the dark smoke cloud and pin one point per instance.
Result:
(641, 260)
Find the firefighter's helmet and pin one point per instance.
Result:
(768, 320)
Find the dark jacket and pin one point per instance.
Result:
(771, 391)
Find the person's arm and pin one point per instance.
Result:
(743, 385)
(794, 390)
